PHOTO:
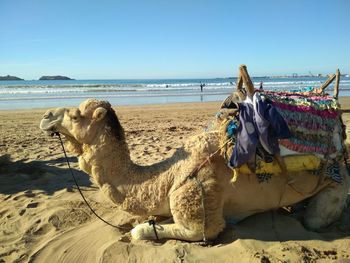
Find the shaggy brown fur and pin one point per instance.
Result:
(112, 122)
(164, 189)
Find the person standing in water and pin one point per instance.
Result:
(202, 86)
(261, 86)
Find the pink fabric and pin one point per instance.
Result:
(302, 108)
(304, 148)
(298, 95)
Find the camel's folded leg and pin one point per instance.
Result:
(197, 210)
(165, 231)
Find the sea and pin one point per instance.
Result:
(32, 94)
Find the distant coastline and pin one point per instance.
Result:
(55, 78)
(8, 77)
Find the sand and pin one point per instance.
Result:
(43, 218)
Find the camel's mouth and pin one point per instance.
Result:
(48, 127)
(51, 121)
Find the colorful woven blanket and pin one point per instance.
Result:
(311, 119)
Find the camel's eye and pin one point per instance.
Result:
(74, 119)
(75, 116)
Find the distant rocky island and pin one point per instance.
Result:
(8, 77)
(55, 78)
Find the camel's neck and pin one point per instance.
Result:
(116, 156)
(139, 189)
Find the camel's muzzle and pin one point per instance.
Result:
(51, 119)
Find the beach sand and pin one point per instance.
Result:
(43, 218)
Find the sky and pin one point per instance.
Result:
(133, 39)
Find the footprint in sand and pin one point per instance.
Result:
(42, 230)
(21, 212)
(33, 205)
(168, 148)
(54, 220)
(28, 193)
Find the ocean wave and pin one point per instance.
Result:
(180, 87)
(85, 89)
(113, 96)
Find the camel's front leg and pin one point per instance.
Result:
(165, 231)
(197, 213)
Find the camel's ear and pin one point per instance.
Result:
(99, 114)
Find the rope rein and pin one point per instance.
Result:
(153, 224)
(81, 193)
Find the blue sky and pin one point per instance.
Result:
(172, 39)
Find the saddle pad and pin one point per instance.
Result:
(294, 163)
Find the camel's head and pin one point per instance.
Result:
(84, 124)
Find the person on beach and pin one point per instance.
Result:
(261, 86)
(202, 86)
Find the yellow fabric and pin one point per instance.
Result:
(294, 163)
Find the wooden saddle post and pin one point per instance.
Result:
(330, 79)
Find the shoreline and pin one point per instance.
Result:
(125, 107)
(27, 104)
(343, 100)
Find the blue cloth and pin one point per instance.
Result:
(269, 123)
(260, 123)
(231, 128)
(247, 138)
(304, 89)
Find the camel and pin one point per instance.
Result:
(196, 192)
